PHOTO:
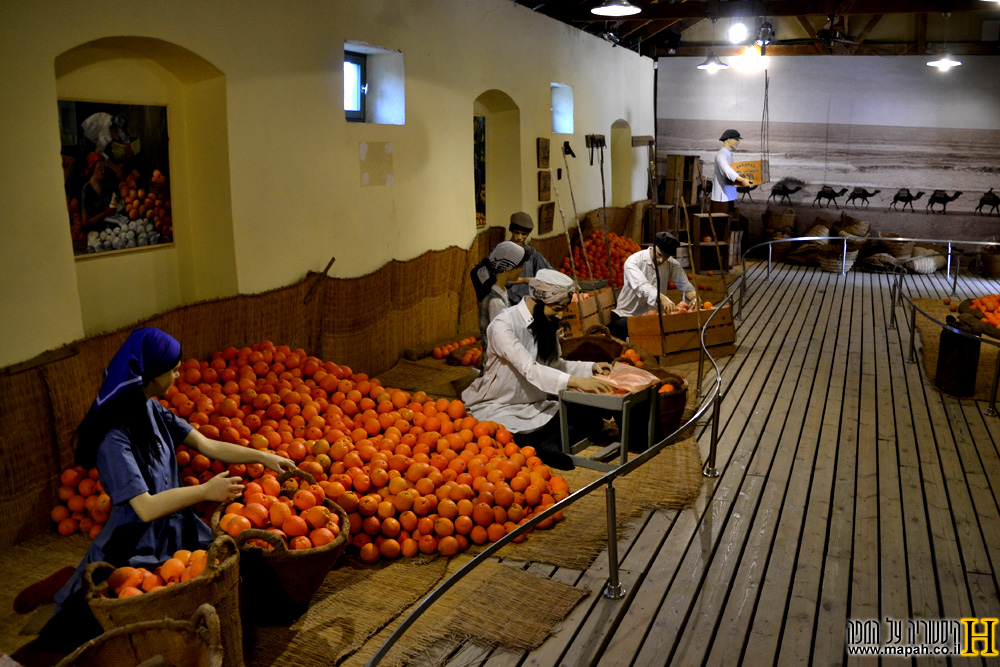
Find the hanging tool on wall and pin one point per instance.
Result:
(596, 141)
(566, 150)
(321, 278)
(569, 243)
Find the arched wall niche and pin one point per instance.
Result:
(620, 149)
(503, 156)
(201, 263)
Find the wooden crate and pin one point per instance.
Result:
(585, 313)
(682, 337)
(756, 170)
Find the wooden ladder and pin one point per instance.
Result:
(707, 208)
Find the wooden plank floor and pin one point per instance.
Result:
(849, 489)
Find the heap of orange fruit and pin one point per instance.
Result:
(472, 356)
(444, 350)
(414, 475)
(83, 505)
(988, 305)
(596, 251)
(126, 582)
(299, 518)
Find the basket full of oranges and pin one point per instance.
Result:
(288, 542)
(122, 596)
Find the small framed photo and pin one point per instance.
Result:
(542, 151)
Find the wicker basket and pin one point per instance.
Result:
(819, 229)
(671, 404)
(217, 585)
(922, 264)
(991, 264)
(193, 643)
(898, 249)
(834, 262)
(286, 578)
(596, 345)
(851, 226)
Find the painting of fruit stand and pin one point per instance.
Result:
(116, 174)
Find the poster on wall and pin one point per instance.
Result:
(479, 156)
(116, 175)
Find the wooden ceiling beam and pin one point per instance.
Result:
(772, 8)
(872, 22)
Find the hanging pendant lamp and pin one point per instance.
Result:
(944, 62)
(615, 8)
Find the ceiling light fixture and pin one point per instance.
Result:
(713, 63)
(737, 33)
(944, 62)
(615, 8)
(764, 36)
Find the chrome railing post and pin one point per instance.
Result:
(947, 268)
(768, 262)
(710, 469)
(913, 337)
(843, 260)
(992, 409)
(613, 589)
(954, 281)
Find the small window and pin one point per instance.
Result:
(562, 108)
(355, 86)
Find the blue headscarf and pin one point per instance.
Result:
(146, 354)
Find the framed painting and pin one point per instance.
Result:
(116, 174)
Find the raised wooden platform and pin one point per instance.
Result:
(850, 488)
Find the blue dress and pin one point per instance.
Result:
(125, 474)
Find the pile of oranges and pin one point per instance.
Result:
(413, 474)
(444, 350)
(596, 251)
(83, 505)
(988, 305)
(126, 582)
(472, 356)
(299, 518)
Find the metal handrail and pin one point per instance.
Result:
(613, 589)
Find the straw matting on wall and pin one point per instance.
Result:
(369, 321)
(930, 339)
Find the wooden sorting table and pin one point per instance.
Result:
(623, 404)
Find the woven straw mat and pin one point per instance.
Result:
(359, 606)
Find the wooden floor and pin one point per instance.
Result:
(850, 489)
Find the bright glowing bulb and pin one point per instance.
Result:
(944, 62)
(615, 8)
(750, 60)
(737, 33)
(713, 64)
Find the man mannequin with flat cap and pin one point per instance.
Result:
(724, 186)
(520, 228)
(641, 291)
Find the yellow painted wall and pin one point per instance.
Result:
(266, 171)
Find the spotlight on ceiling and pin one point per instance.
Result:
(765, 34)
(737, 33)
(944, 62)
(615, 8)
(712, 63)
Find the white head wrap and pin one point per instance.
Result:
(550, 286)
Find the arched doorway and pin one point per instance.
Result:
(499, 190)
(201, 263)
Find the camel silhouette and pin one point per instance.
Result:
(829, 194)
(906, 197)
(940, 197)
(745, 191)
(862, 194)
(783, 191)
(989, 200)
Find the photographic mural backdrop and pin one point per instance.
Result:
(868, 123)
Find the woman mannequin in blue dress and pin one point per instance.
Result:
(132, 439)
